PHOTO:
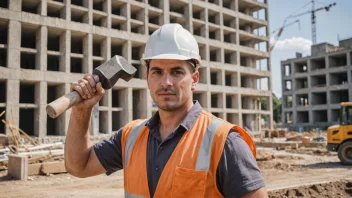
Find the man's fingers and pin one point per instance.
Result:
(96, 78)
(76, 87)
(91, 81)
(88, 86)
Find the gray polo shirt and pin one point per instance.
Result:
(237, 172)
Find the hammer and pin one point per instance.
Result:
(108, 72)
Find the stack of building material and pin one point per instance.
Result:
(39, 158)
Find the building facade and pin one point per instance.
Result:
(47, 44)
(313, 87)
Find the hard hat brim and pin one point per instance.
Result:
(169, 56)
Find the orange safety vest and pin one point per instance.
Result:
(190, 170)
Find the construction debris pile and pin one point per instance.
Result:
(42, 158)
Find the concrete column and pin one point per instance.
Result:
(188, 17)
(18, 167)
(42, 44)
(205, 29)
(126, 103)
(12, 102)
(88, 54)
(65, 50)
(107, 9)
(40, 118)
(223, 78)
(126, 12)
(146, 20)
(165, 6)
(349, 58)
(271, 117)
(14, 44)
(66, 13)
(94, 124)
(127, 50)
(88, 18)
(149, 104)
(15, 5)
(42, 8)
(108, 94)
(106, 48)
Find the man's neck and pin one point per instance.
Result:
(169, 120)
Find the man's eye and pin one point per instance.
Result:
(156, 72)
(177, 72)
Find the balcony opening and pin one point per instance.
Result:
(116, 47)
(103, 121)
(27, 60)
(3, 32)
(76, 65)
(201, 98)
(317, 64)
(338, 78)
(320, 116)
(203, 75)
(178, 9)
(288, 101)
(138, 104)
(98, 5)
(229, 102)
(27, 120)
(302, 100)
(288, 117)
(154, 3)
(318, 81)
(339, 96)
(301, 67)
(4, 4)
(303, 117)
(338, 60)
(53, 41)
(27, 93)
(77, 2)
(30, 6)
(76, 44)
(215, 101)
(53, 11)
(52, 125)
(229, 4)
(230, 57)
(288, 85)
(53, 63)
(116, 116)
(2, 92)
(335, 115)
(230, 37)
(319, 99)
(288, 70)
(97, 47)
(3, 57)
(28, 37)
(301, 83)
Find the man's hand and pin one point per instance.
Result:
(90, 89)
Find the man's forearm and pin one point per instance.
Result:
(78, 145)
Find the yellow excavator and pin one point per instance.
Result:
(340, 136)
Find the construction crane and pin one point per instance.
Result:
(313, 18)
(279, 32)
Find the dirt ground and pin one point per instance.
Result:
(292, 173)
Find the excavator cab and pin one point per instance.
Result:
(340, 136)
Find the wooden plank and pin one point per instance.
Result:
(53, 167)
(46, 168)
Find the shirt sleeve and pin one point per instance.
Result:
(109, 153)
(237, 172)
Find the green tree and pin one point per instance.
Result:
(277, 107)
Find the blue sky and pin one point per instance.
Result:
(330, 25)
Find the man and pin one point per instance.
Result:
(182, 151)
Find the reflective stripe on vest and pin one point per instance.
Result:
(128, 195)
(131, 140)
(203, 160)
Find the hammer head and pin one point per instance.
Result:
(110, 71)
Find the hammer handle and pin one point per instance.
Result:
(58, 106)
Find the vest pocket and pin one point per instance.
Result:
(189, 183)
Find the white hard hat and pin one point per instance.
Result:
(171, 41)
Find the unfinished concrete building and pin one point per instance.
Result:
(314, 86)
(47, 44)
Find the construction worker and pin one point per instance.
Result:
(182, 151)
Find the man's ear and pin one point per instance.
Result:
(195, 80)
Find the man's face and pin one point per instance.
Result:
(171, 83)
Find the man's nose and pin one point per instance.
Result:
(166, 80)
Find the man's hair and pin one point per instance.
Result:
(191, 62)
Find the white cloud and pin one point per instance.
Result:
(298, 44)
